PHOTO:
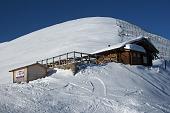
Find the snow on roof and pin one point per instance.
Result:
(119, 45)
(109, 48)
(26, 66)
(134, 47)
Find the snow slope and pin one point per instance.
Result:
(84, 35)
(110, 88)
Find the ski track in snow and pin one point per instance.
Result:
(90, 91)
(152, 83)
(97, 86)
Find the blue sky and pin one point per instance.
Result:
(20, 17)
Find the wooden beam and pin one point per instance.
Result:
(62, 54)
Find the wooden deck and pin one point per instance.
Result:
(70, 60)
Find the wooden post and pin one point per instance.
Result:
(89, 59)
(47, 62)
(74, 55)
(96, 59)
(53, 62)
(59, 60)
(67, 58)
(131, 58)
(13, 77)
(81, 57)
(41, 61)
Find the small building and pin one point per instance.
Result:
(29, 73)
(138, 51)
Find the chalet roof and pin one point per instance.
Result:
(119, 45)
(27, 66)
(134, 47)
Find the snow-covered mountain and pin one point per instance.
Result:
(100, 89)
(85, 35)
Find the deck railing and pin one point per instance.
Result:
(68, 58)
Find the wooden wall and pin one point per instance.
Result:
(125, 57)
(72, 66)
(107, 57)
(149, 59)
(137, 58)
(35, 72)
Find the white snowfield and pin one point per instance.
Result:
(109, 88)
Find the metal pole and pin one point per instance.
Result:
(165, 64)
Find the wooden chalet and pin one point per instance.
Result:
(139, 51)
(29, 73)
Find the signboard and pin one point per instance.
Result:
(20, 73)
